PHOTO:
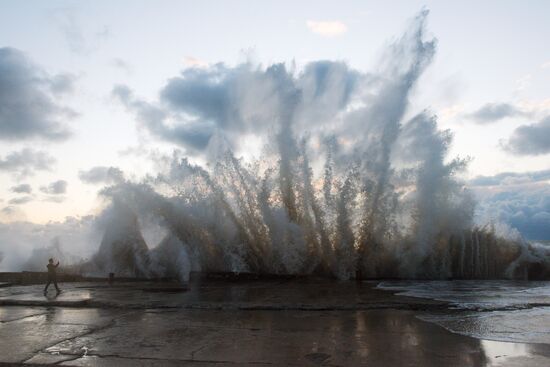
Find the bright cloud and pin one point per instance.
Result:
(193, 62)
(331, 28)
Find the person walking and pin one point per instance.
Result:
(52, 276)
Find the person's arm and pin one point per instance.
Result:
(56, 265)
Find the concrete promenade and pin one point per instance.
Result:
(304, 322)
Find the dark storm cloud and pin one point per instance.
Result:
(101, 174)
(521, 200)
(25, 162)
(191, 134)
(21, 200)
(525, 208)
(533, 139)
(224, 101)
(493, 112)
(22, 189)
(27, 105)
(243, 97)
(55, 188)
(202, 93)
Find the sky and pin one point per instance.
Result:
(73, 74)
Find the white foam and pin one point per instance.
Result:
(505, 311)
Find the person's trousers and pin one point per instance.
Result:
(50, 281)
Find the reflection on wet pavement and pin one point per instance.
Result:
(237, 324)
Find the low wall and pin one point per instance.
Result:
(38, 277)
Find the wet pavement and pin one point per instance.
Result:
(221, 323)
(312, 294)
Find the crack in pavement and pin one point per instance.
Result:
(197, 350)
(92, 330)
(99, 355)
(24, 317)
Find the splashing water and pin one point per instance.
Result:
(346, 186)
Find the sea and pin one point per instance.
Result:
(493, 310)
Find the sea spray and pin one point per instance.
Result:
(350, 183)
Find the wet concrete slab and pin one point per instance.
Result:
(306, 338)
(309, 323)
(22, 338)
(306, 295)
(8, 314)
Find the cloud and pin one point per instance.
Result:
(327, 28)
(22, 189)
(193, 62)
(217, 105)
(524, 208)
(55, 188)
(506, 180)
(62, 83)
(493, 112)
(208, 111)
(533, 139)
(450, 112)
(511, 178)
(121, 64)
(55, 199)
(102, 174)
(535, 108)
(76, 38)
(25, 162)
(11, 214)
(28, 106)
(523, 83)
(66, 20)
(518, 199)
(21, 200)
